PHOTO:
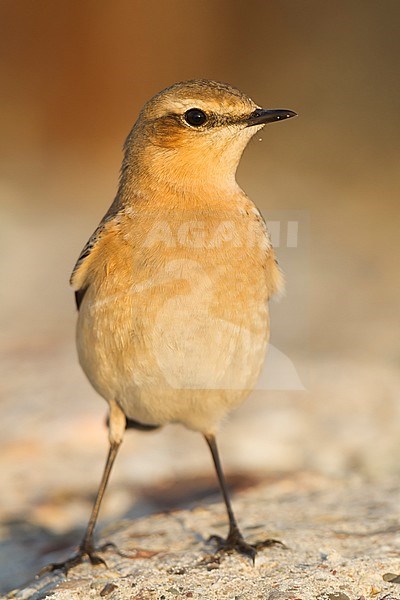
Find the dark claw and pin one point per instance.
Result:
(268, 543)
(84, 551)
(95, 559)
(236, 543)
(107, 546)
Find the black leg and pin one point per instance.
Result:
(87, 543)
(86, 547)
(235, 540)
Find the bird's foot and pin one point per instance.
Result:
(235, 542)
(86, 550)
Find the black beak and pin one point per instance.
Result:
(261, 116)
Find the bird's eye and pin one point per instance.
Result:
(195, 117)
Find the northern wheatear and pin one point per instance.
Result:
(173, 286)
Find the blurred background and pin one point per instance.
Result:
(73, 77)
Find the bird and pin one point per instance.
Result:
(172, 288)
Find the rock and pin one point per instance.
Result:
(340, 544)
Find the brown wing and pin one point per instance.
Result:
(78, 279)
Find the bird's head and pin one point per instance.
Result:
(194, 133)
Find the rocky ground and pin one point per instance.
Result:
(340, 528)
(342, 542)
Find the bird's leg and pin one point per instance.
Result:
(86, 547)
(235, 540)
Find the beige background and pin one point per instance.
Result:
(73, 77)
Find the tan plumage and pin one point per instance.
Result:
(173, 286)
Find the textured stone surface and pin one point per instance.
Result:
(342, 540)
(53, 444)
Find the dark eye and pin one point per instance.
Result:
(195, 117)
